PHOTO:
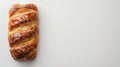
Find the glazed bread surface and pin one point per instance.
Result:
(23, 31)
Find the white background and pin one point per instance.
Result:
(73, 33)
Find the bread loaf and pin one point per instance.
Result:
(23, 31)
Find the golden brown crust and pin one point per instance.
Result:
(22, 51)
(23, 31)
(21, 36)
(16, 7)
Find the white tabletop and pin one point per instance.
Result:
(73, 33)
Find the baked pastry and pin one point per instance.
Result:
(23, 31)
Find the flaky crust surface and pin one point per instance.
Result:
(23, 31)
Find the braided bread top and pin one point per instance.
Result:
(23, 31)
